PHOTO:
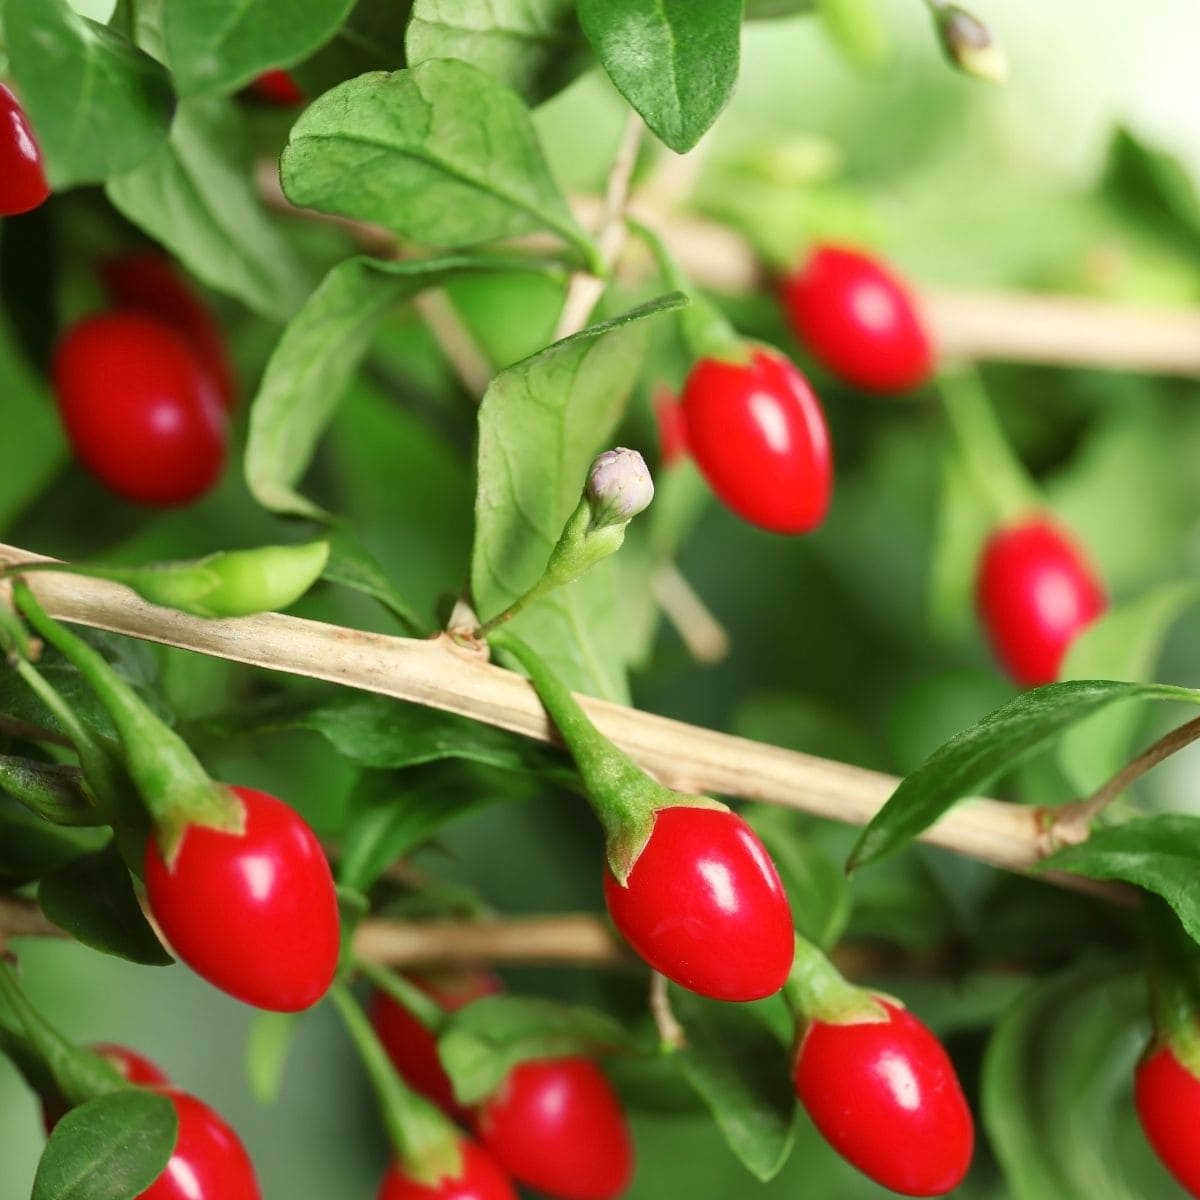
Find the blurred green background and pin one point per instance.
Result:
(857, 642)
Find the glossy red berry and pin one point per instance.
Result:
(23, 183)
(480, 1179)
(146, 282)
(672, 431)
(1035, 593)
(704, 905)
(140, 412)
(277, 87)
(253, 913)
(557, 1126)
(1167, 1097)
(885, 1096)
(757, 433)
(413, 1048)
(859, 320)
(209, 1161)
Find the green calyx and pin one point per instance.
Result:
(47, 1059)
(172, 784)
(1173, 975)
(624, 798)
(229, 583)
(427, 1145)
(817, 991)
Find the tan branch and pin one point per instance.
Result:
(440, 675)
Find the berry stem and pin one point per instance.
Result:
(427, 1145)
(408, 996)
(817, 991)
(1001, 481)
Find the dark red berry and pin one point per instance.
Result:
(859, 320)
(1035, 593)
(757, 433)
(885, 1096)
(141, 413)
(23, 183)
(1167, 1097)
(480, 1179)
(209, 1161)
(413, 1048)
(128, 1063)
(557, 1126)
(704, 905)
(146, 282)
(672, 431)
(277, 87)
(253, 913)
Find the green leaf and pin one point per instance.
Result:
(992, 745)
(484, 1040)
(1153, 187)
(675, 61)
(218, 45)
(92, 898)
(352, 565)
(817, 888)
(441, 153)
(54, 791)
(540, 425)
(1056, 1081)
(380, 733)
(766, 10)
(31, 848)
(315, 359)
(740, 1071)
(1123, 644)
(534, 46)
(270, 1039)
(99, 105)
(1159, 853)
(196, 196)
(111, 1148)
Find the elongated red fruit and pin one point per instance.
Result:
(557, 1126)
(140, 412)
(859, 319)
(757, 432)
(277, 87)
(1167, 1097)
(479, 1179)
(885, 1096)
(23, 183)
(253, 913)
(1035, 592)
(704, 905)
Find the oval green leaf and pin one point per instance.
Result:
(99, 105)
(675, 61)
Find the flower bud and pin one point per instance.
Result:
(618, 487)
(969, 44)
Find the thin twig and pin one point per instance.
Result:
(585, 289)
(1072, 823)
(703, 635)
(455, 340)
(671, 1035)
(440, 674)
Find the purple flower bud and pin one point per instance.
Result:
(618, 487)
(969, 44)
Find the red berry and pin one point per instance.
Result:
(209, 1161)
(23, 183)
(480, 1179)
(1035, 593)
(557, 1126)
(139, 410)
(277, 87)
(704, 905)
(146, 282)
(255, 914)
(413, 1048)
(859, 320)
(757, 432)
(128, 1063)
(1167, 1096)
(885, 1096)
